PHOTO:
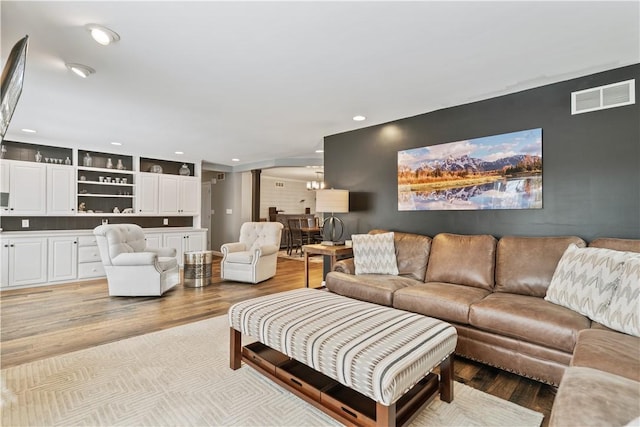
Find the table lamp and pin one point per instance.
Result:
(332, 201)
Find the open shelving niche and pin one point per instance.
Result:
(103, 189)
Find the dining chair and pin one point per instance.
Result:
(295, 236)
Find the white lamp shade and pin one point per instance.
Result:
(332, 200)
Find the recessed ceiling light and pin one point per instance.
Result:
(102, 35)
(116, 143)
(319, 151)
(179, 152)
(81, 70)
(359, 118)
(28, 130)
(235, 160)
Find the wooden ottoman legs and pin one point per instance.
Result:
(446, 379)
(235, 349)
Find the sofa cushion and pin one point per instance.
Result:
(530, 319)
(585, 279)
(444, 301)
(589, 397)
(608, 351)
(621, 313)
(374, 254)
(462, 260)
(525, 265)
(374, 288)
(412, 253)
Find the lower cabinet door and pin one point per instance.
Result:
(27, 261)
(63, 258)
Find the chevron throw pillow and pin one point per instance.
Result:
(374, 254)
(622, 313)
(585, 279)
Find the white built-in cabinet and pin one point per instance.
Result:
(61, 190)
(24, 261)
(147, 193)
(154, 240)
(63, 258)
(178, 195)
(26, 183)
(185, 242)
(38, 258)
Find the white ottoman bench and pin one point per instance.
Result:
(359, 362)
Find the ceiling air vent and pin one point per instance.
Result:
(599, 98)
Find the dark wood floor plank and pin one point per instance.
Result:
(42, 322)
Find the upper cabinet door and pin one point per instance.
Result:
(189, 196)
(61, 194)
(168, 200)
(27, 188)
(147, 193)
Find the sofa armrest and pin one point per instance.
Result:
(345, 266)
(134, 258)
(232, 247)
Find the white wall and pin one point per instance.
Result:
(290, 196)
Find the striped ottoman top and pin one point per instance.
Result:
(378, 351)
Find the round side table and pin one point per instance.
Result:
(197, 268)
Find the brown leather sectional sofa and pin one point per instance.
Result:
(493, 292)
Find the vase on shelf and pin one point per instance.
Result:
(67, 161)
(109, 163)
(87, 160)
(38, 156)
(3, 151)
(184, 170)
(119, 166)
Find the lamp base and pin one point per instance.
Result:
(330, 243)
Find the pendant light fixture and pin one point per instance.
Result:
(318, 184)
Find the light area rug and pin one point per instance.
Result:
(181, 377)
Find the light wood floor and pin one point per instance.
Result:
(41, 322)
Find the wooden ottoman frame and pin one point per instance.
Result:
(344, 403)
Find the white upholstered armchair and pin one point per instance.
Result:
(255, 256)
(133, 269)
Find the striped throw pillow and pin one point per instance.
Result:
(374, 254)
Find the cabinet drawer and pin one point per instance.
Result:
(350, 404)
(88, 254)
(90, 269)
(87, 241)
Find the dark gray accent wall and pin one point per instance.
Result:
(591, 178)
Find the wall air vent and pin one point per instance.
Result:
(602, 97)
(220, 176)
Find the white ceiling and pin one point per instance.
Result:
(264, 82)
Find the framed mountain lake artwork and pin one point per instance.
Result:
(493, 172)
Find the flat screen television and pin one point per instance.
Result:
(11, 83)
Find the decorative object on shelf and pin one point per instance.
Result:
(184, 170)
(87, 160)
(116, 180)
(38, 156)
(109, 163)
(155, 169)
(83, 178)
(127, 211)
(82, 207)
(67, 161)
(124, 180)
(101, 178)
(107, 179)
(116, 210)
(3, 151)
(119, 166)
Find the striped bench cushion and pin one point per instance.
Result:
(378, 351)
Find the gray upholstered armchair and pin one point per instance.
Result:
(133, 269)
(255, 256)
